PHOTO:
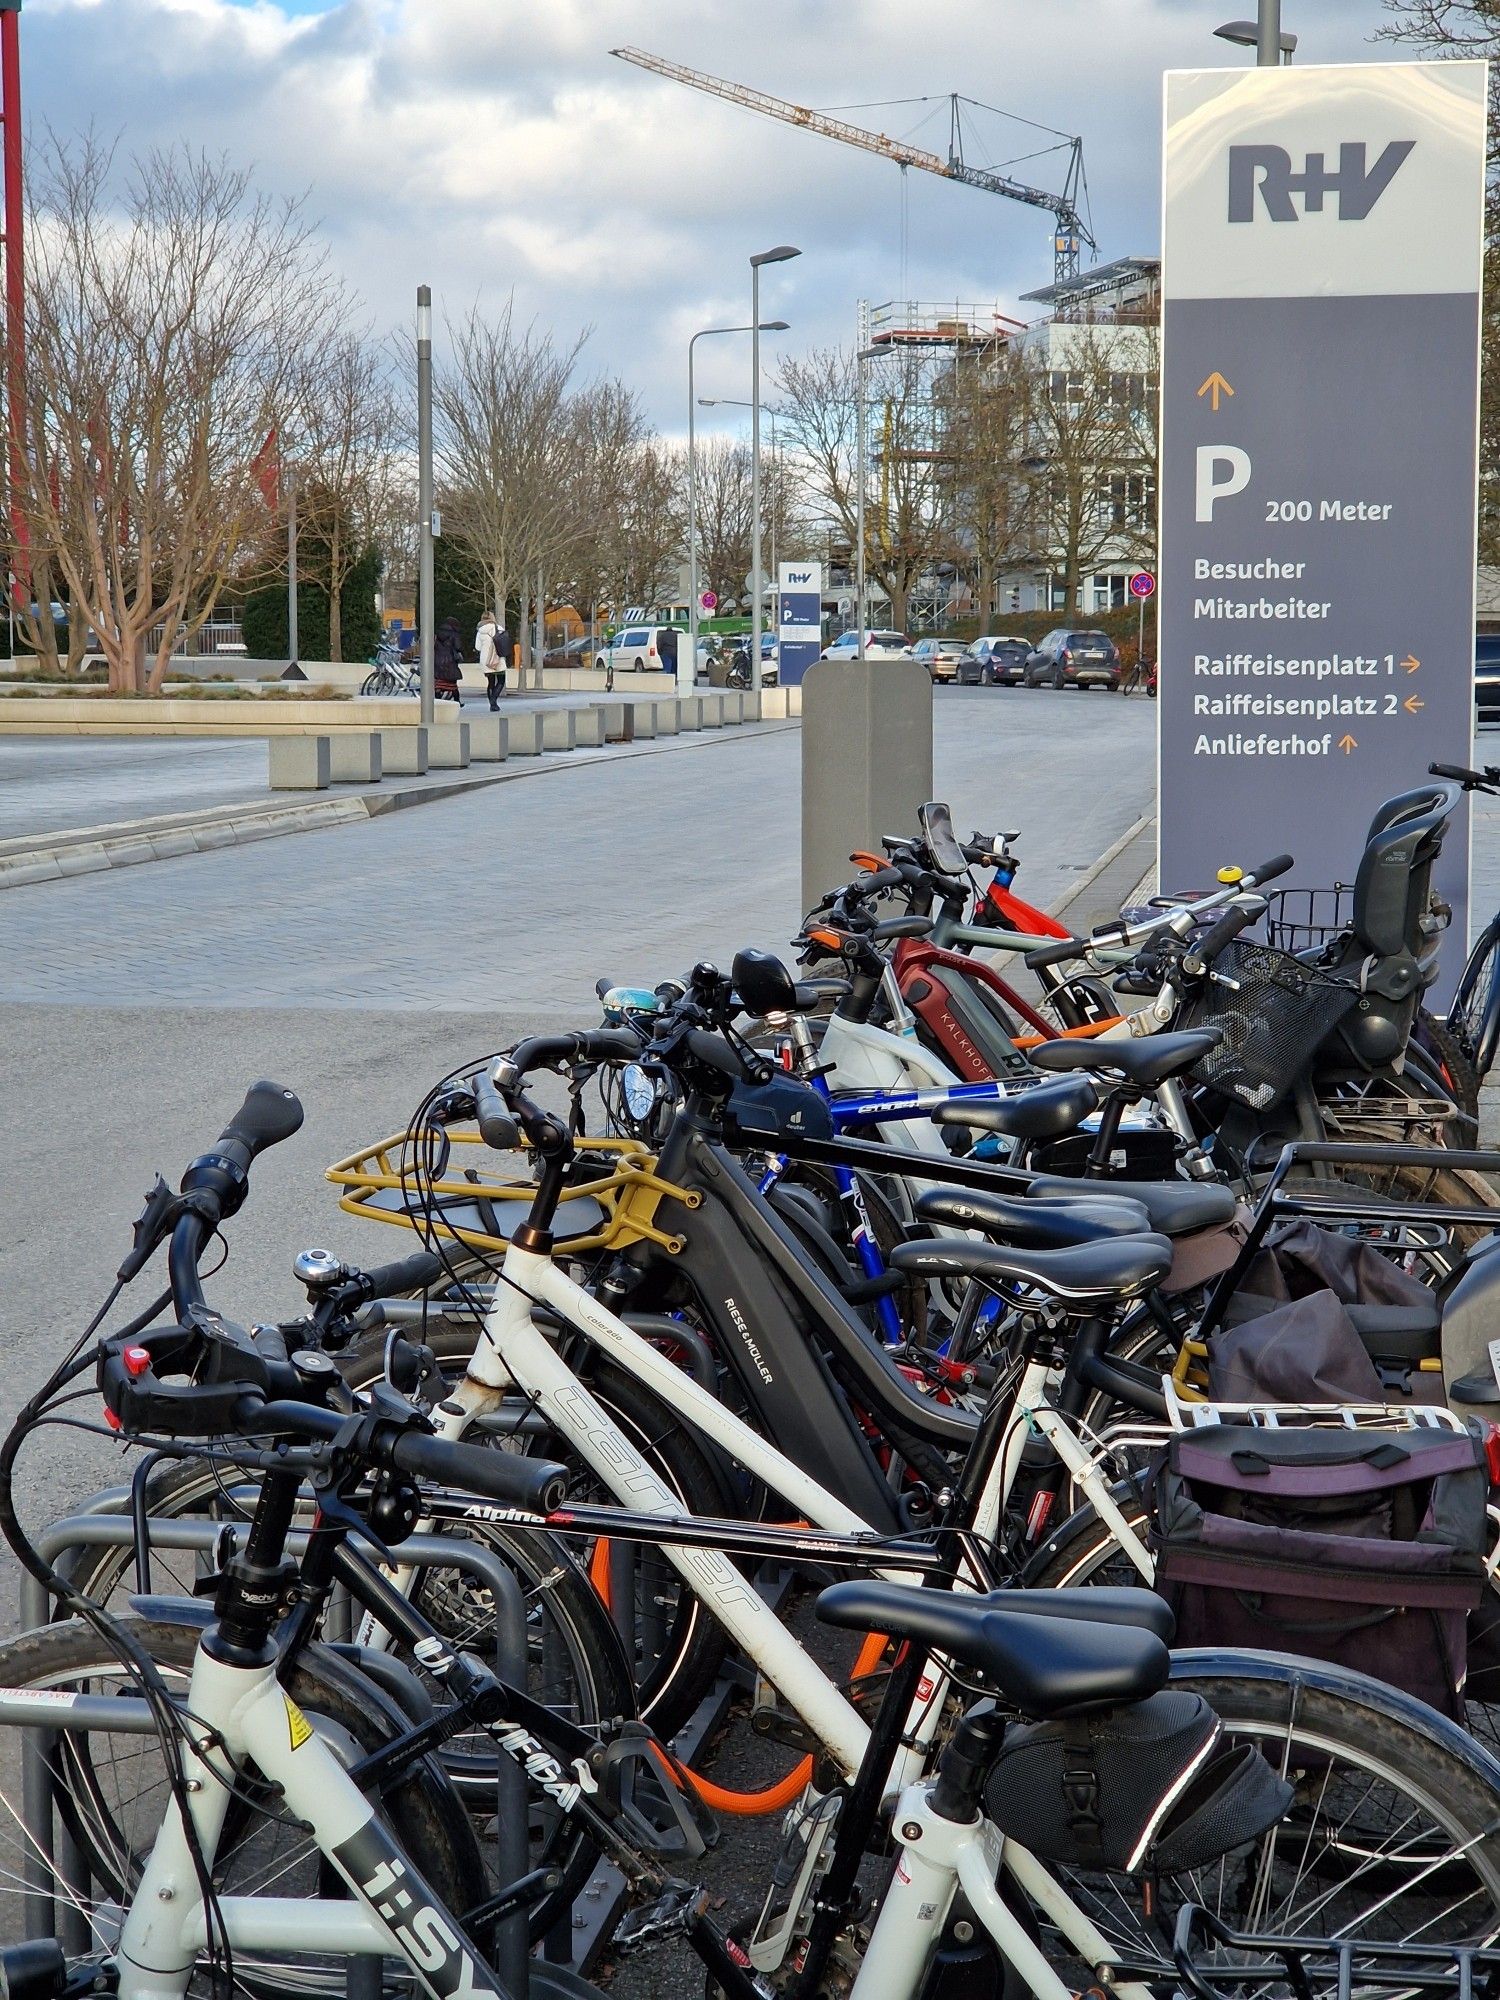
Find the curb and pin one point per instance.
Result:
(1141, 832)
(55, 856)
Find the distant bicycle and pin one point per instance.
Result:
(1474, 1016)
(389, 674)
(1138, 675)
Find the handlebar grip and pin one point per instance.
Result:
(610, 1045)
(1202, 955)
(1269, 870)
(269, 1114)
(536, 1484)
(496, 1126)
(1055, 954)
(879, 880)
(407, 1274)
(900, 927)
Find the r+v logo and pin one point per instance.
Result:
(1268, 169)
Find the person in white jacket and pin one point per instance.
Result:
(493, 645)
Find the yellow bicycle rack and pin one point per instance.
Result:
(607, 1212)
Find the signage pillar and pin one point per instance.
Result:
(1320, 367)
(799, 621)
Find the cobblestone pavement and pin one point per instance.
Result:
(519, 895)
(52, 782)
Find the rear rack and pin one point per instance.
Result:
(1186, 1413)
(1312, 1968)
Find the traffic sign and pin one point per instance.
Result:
(1142, 583)
(709, 600)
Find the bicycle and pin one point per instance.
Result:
(389, 674)
(1474, 1011)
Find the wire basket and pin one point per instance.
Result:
(1274, 1012)
(1299, 920)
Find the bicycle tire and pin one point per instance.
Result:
(1474, 1015)
(675, 1646)
(571, 1652)
(112, 1838)
(1456, 1069)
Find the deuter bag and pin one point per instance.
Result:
(1362, 1548)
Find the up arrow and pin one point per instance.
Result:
(1348, 743)
(1412, 704)
(1411, 663)
(1213, 387)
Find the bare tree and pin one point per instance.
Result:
(625, 533)
(346, 428)
(984, 400)
(724, 516)
(501, 423)
(1089, 458)
(904, 530)
(168, 309)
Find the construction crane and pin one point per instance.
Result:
(1070, 231)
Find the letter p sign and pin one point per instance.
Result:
(1216, 484)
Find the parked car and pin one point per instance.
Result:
(994, 660)
(878, 646)
(939, 656)
(1487, 676)
(1074, 659)
(640, 649)
(576, 653)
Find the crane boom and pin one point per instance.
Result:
(1070, 230)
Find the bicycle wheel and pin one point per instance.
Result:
(573, 1664)
(111, 1796)
(1474, 1015)
(1450, 1057)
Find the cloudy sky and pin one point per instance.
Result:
(484, 146)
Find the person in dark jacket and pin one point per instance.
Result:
(447, 661)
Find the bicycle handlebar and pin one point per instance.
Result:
(407, 1274)
(1197, 961)
(535, 1484)
(269, 1114)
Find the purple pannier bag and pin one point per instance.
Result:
(1362, 1548)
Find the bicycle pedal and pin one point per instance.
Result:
(768, 1718)
(669, 1916)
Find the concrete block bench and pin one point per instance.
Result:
(488, 738)
(403, 752)
(356, 758)
(448, 746)
(558, 726)
(299, 763)
(523, 733)
(588, 728)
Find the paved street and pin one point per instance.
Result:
(52, 782)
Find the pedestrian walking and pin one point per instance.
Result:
(495, 648)
(447, 661)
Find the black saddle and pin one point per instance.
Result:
(1173, 1208)
(1045, 1111)
(1034, 1225)
(1091, 1274)
(1145, 1060)
(1044, 1657)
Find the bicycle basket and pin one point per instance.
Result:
(1299, 920)
(1274, 1012)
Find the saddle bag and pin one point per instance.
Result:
(1153, 1785)
(1362, 1548)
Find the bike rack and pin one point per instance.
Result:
(102, 1528)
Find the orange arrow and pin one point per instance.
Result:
(1214, 387)
(1348, 743)
(1411, 704)
(1411, 663)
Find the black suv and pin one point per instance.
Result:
(991, 662)
(1074, 659)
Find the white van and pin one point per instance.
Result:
(639, 649)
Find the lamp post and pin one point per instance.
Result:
(1263, 35)
(291, 567)
(780, 255)
(426, 620)
(861, 477)
(770, 326)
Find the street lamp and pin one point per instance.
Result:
(769, 410)
(782, 254)
(769, 326)
(427, 611)
(1263, 35)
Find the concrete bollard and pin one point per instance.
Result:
(666, 717)
(773, 704)
(642, 717)
(448, 747)
(794, 700)
(557, 729)
(403, 752)
(866, 761)
(487, 734)
(690, 712)
(733, 702)
(588, 728)
(523, 733)
(355, 758)
(298, 763)
(619, 721)
(711, 709)
(750, 701)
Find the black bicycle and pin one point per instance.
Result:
(1474, 1016)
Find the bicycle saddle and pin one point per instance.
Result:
(1044, 1112)
(1173, 1208)
(1145, 1062)
(1044, 1664)
(1089, 1274)
(1033, 1225)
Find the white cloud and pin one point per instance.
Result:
(480, 145)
